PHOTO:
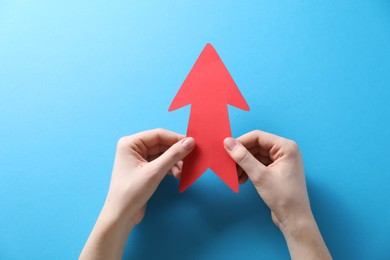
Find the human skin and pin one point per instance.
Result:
(141, 162)
(273, 164)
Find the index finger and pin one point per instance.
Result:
(158, 136)
(268, 145)
(148, 141)
(260, 138)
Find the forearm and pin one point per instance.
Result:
(108, 237)
(304, 239)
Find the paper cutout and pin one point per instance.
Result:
(209, 88)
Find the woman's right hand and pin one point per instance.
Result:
(274, 165)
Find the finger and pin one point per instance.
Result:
(158, 136)
(269, 144)
(173, 155)
(242, 176)
(141, 143)
(259, 138)
(254, 169)
(176, 171)
(180, 164)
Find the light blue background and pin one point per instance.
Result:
(77, 75)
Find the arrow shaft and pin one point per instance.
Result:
(209, 123)
(205, 126)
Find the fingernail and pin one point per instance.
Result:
(188, 143)
(229, 143)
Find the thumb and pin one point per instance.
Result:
(254, 168)
(174, 154)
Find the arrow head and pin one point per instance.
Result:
(210, 82)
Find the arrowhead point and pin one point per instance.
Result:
(209, 81)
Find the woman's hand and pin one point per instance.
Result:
(274, 165)
(141, 162)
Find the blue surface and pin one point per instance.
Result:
(77, 75)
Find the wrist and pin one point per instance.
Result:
(108, 237)
(303, 238)
(293, 226)
(114, 217)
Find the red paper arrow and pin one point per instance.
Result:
(209, 88)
